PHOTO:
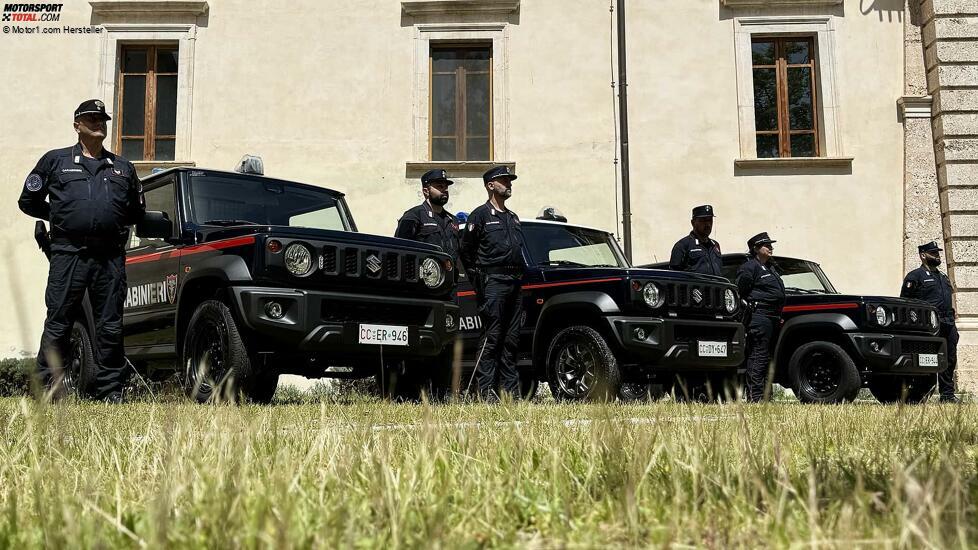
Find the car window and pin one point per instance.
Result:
(160, 199)
(563, 243)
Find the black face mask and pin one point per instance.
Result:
(440, 201)
(933, 262)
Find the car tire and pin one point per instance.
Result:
(581, 366)
(822, 372)
(634, 391)
(902, 389)
(81, 368)
(215, 360)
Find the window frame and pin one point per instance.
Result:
(461, 135)
(149, 136)
(781, 66)
(170, 180)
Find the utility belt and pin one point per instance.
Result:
(92, 243)
(766, 308)
(502, 270)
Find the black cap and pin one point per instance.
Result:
(92, 107)
(497, 172)
(705, 211)
(760, 238)
(929, 247)
(437, 174)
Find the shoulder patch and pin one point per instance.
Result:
(33, 183)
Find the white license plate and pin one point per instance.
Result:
(384, 335)
(713, 349)
(927, 359)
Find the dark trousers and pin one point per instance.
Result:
(945, 380)
(501, 310)
(69, 276)
(760, 338)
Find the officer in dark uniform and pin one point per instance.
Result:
(697, 252)
(760, 284)
(429, 222)
(90, 197)
(927, 283)
(492, 252)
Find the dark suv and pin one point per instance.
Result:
(593, 323)
(237, 278)
(830, 344)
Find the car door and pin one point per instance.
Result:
(151, 273)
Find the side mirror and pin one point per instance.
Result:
(155, 225)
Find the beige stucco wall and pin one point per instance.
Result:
(323, 92)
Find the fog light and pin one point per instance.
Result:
(450, 321)
(274, 310)
(639, 333)
(875, 347)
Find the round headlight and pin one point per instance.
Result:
(431, 273)
(652, 296)
(729, 300)
(298, 259)
(933, 319)
(882, 316)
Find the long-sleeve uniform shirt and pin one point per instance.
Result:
(90, 203)
(761, 286)
(423, 224)
(699, 256)
(492, 242)
(932, 287)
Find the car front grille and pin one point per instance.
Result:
(344, 311)
(701, 297)
(690, 334)
(368, 263)
(911, 317)
(916, 346)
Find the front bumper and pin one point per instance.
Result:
(330, 321)
(673, 343)
(900, 353)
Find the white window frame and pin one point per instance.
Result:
(828, 115)
(185, 35)
(427, 34)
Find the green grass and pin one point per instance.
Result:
(366, 473)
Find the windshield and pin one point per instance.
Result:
(561, 245)
(798, 276)
(244, 200)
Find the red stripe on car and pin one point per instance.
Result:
(206, 247)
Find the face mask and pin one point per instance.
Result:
(933, 262)
(440, 201)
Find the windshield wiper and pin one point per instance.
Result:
(230, 222)
(805, 290)
(564, 263)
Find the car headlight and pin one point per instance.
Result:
(730, 300)
(652, 295)
(882, 316)
(431, 273)
(298, 259)
(933, 319)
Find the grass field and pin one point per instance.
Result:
(366, 473)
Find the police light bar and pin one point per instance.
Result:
(251, 164)
(550, 213)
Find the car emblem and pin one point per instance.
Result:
(171, 288)
(697, 295)
(913, 316)
(373, 263)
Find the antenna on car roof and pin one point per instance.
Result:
(251, 164)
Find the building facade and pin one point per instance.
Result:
(845, 128)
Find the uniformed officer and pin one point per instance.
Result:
(90, 197)
(493, 257)
(760, 284)
(927, 283)
(429, 222)
(697, 252)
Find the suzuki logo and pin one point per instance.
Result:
(697, 295)
(373, 263)
(913, 316)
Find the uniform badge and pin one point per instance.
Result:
(99, 104)
(117, 172)
(33, 183)
(171, 288)
(909, 284)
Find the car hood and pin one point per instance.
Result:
(345, 237)
(568, 273)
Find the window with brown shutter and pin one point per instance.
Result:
(146, 109)
(461, 102)
(785, 98)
